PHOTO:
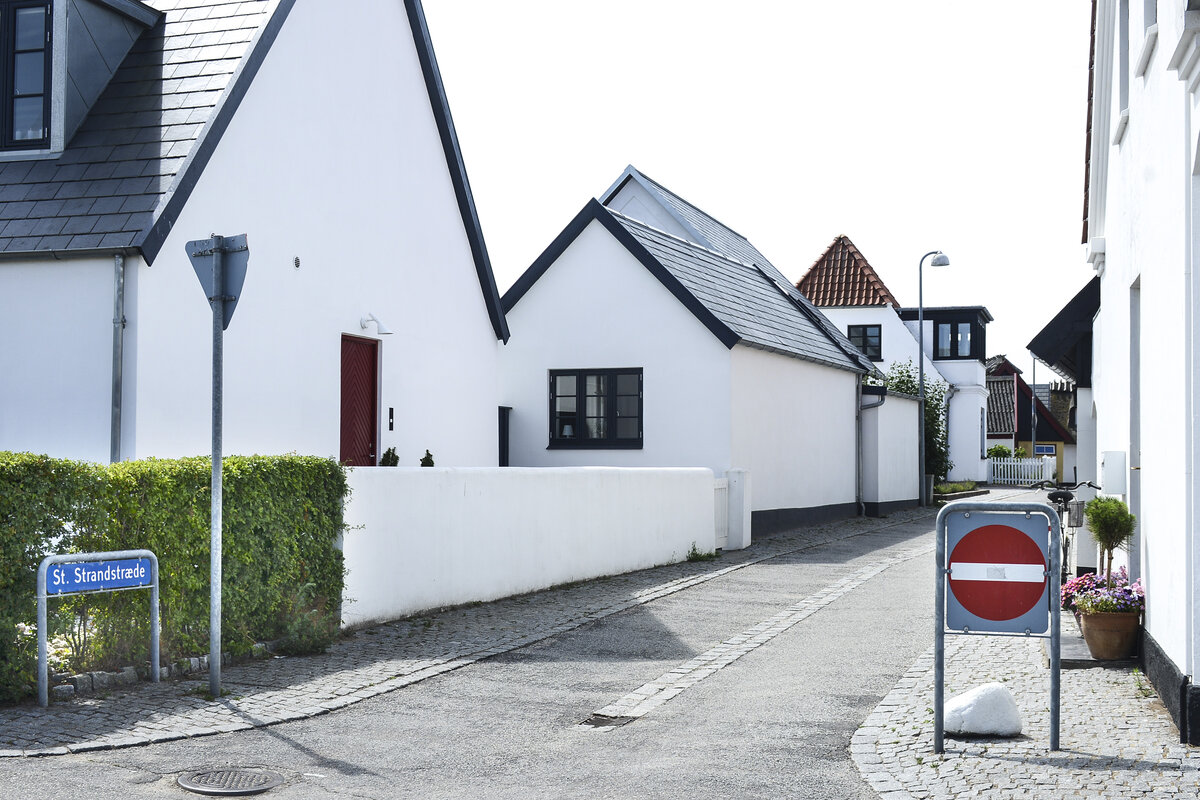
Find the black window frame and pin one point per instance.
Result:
(956, 327)
(859, 336)
(8, 56)
(577, 419)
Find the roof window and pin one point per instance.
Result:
(25, 42)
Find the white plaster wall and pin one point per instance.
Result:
(335, 161)
(598, 307)
(1146, 236)
(890, 451)
(793, 428)
(56, 357)
(898, 343)
(967, 424)
(428, 538)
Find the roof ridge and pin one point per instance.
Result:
(836, 289)
(687, 242)
(664, 190)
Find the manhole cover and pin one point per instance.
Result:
(230, 782)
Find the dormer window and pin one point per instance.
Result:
(25, 38)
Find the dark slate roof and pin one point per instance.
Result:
(737, 302)
(843, 277)
(744, 297)
(722, 239)
(103, 191)
(1001, 406)
(122, 180)
(1066, 341)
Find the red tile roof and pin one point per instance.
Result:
(842, 277)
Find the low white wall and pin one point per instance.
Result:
(890, 450)
(422, 538)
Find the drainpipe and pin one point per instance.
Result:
(858, 443)
(118, 355)
(952, 390)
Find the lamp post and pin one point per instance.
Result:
(940, 259)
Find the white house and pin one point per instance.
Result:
(843, 284)
(1137, 423)
(650, 334)
(320, 131)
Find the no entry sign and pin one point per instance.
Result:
(998, 573)
(998, 567)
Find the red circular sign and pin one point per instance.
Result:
(997, 572)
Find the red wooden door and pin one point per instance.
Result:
(360, 403)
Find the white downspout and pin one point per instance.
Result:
(118, 362)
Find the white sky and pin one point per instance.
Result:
(908, 126)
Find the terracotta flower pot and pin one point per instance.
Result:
(1112, 635)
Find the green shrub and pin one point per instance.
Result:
(45, 504)
(281, 517)
(1111, 525)
(999, 451)
(309, 627)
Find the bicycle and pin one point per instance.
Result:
(1070, 513)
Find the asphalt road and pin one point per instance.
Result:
(774, 723)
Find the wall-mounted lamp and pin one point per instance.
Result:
(383, 330)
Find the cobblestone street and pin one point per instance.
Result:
(773, 652)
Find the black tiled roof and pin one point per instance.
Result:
(103, 190)
(1001, 408)
(722, 239)
(747, 299)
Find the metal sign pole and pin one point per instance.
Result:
(221, 278)
(939, 637)
(214, 566)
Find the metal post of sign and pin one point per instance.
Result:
(116, 584)
(214, 558)
(1053, 577)
(221, 277)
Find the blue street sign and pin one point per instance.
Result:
(98, 576)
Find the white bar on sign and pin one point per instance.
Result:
(1013, 573)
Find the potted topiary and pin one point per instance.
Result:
(1110, 612)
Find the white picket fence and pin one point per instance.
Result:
(1020, 471)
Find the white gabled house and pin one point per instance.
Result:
(1131, 338)
(320, 131)
(851, 294)
(649, 334)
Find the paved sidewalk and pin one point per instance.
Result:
(1116, 738)
(373, 661)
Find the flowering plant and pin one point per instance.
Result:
(1115, 594)
(1076, 586)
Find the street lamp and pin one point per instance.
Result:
(940, 259)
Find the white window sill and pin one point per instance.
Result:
(1122, 124)
(28, 155)
(1143, 62)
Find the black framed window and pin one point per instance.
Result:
(954, 340)
(868, 339)
(600, 408)
(25, 59)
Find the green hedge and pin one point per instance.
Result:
(281, 518)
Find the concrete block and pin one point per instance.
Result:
(64, 691)
(101, 681)
(81, 682)
(127, 676)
